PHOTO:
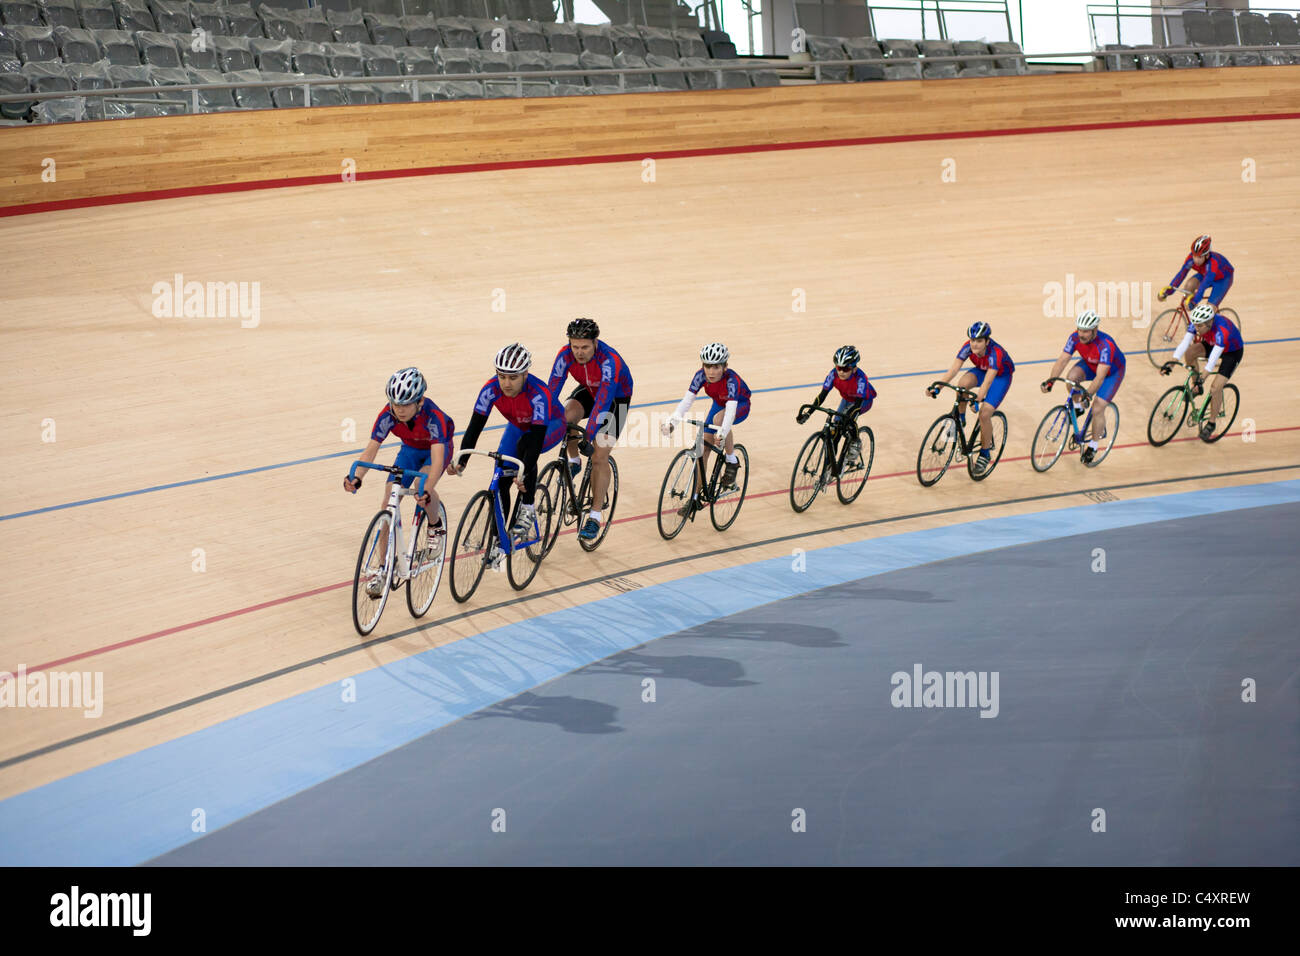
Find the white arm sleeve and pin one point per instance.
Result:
(685, 406)
(1182, 348)
(1212, 362)
(728, 417)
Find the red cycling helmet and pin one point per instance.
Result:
(1201, 247)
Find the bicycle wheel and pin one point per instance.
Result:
(1167, 417)
(529, 559)
(475, 536)
(426, 575)
(1227, 414)
(1110, 421)
(852, 480)
(553, 481)
(1163, 336)
(999, 427)
(727, 501)
(365, 609)
(809, 473)
(1049, 440)
(679, 487)
(607, 509)
(937, 448)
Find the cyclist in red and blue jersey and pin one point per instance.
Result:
(603, 396)
(1209, 330)
(1213, 275)
(730, 397)
(986, 355)
(534, 424)
(426, 434)
(856, 396)
(1102, 366)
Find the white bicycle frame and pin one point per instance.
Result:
(404, 571)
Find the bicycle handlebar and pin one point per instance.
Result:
(1068, 381)
(496, 455)
(820, 408)
(420, 476)
(966, 392)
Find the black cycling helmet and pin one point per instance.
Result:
(583, 329)
(846, 356)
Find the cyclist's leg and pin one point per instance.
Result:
(997, 392)
(1218, 290)
(607, 432)
(971, 378)
(576, 409)
(509, 446)
(1105, 395)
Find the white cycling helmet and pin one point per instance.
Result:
(1087, 320)
(514, 358)
(1204, 312)
(715, 353)
(406, 387)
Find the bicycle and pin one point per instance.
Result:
(681, 495)
(572, 507)
(823, 458)
(1179, 403)
(1061, 429)
(945, 438)
(420, 568)
(483, 539)
(1167, 330)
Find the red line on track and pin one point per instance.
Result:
(217, 188)
(95, 652)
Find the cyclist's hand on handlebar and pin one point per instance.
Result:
(351, 484)
(1165, 293)
(802, 416)
(425, 500)
(932, 391)
(1047, 386)
(666, 428)
(1166, 368)
(975, 405)
(585, 448)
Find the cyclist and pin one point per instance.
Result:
(1210, 330)
(984, 354)
(603, 396)
(730, 397)
(1214, 274)
(426, 433)
(1102, 366)
(534, 424)
(856, 397)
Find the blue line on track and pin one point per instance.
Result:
(352, 453)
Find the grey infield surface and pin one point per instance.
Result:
(1118, 691)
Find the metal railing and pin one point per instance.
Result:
(1158, 13)
(939, 9)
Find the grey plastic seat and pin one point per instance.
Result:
(169, 76)
(1215, 58)
(973, 67)
(272, 56)
(12, 83)
(1280, 58)
(310, 58)
(596, 39)
(827, 51)
(277, 24)
(349, 26)
(690, 43)
(1011, 65)
(597, 61)
(286, 97)
(345, 59)
(489, 34)
(326, 95)
(1247, 58)
(89, 76)
(1184, 61)
(250, 97)
(1199, 29)
(21, 13)
(33, 44)
(1255, 29)
(658, 41)
(60, 13)
(1121, 58)
(71, 109)
(858, 48)
(452, 59)
(527, 61)
(360, 94)
(453, 90)
(212, 101)
(415, 61)
(733, 79)
(171, 16)
(527, 37)
(97, 14)
(764, 78)
(634, 81)
(210, 18)
(1285, 29)
(563, 61)
(312, 25)
(76, 45)
(234, 54)
(488, 61)
(458, 32)
(668, 81)
(1150, 58)
(242, 21)
(133, 16)
(379, 60)
(116, 46)
(386, 29)
(157, 49)
(700, 79)
(562, 38)
(1225, 27)
(48, 77)
(422, 31)
(627, 39)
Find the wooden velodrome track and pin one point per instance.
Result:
(248, 425)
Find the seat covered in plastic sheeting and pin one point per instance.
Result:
(668, 81)
(1225, 27)
(973, 67)
(561, 88)
(627, 39)
(1150, 58)
(386, 29)
(1285, 29)
(526, 62)
(596, 39)
(61, 13)
(658, 41)
(765, 78)
(234, 54)
(1247, 58)
(597, 61)
(690, 43)
(379, 60)
(422, 31)
(349, 26)
(360, 94)
(452, 90)
(324, 95)
(828, 51)
(527, 37)
(415, 61)
(458, 32)
(563, 61)
(210, 18)
(123, 77)
(345, 59)
(562, 38)
(31, 44)
(393, 93)
(133, 16)
(1198, 28)
(1121, 57)
(453, 59)
(272, 56)
(250, 97)
(117, 46)
(157, 49)
(311, 58)
(12, 84)
(630, 61)
(50, 77)
(935, 48)
(312, 25)
(700, 79)
(170, 76)
(212, 101)
(1254, 29)
(1008, 65)
(21, 13)
(1215, 58)
(1279, 58)
(488, 61)
(491, 35)
(89, 76)
(76, 45)
(733, 79)
(286, 97)
(1184, 61)
(172, 16)
(97, 14)
(70, 109)
(277, 24)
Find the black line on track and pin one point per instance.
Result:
(373, 642)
